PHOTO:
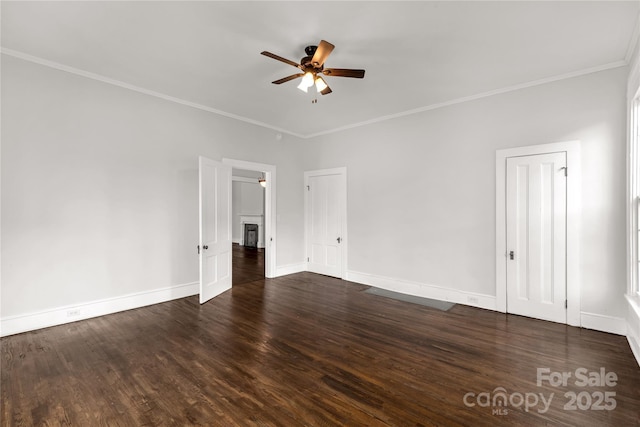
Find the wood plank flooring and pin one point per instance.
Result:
(309, 350)
(248, 264)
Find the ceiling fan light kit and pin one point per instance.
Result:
(321, 84)
(312, 67)
(307, 81)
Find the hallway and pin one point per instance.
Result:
(248, 264)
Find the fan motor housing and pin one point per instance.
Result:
(307, 65)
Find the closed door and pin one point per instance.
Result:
(536, 236)
(215, 228)
(325, 221)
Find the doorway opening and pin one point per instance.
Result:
(247, 218)
(258, 262)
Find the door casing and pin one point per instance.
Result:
(574, 215)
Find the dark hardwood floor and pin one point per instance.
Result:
(248, 264)
(309, 350)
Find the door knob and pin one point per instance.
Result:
(512, 255)
(339, 239)
(205, 247)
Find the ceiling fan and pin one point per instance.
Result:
(312, 67)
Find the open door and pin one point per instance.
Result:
(215, 228)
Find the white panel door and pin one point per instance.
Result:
(326, 201)
(215, 228)
(536, 236)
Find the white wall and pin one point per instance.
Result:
(99, 188)
(421, 188)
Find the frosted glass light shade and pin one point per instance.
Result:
(320, 84)
(307, 82)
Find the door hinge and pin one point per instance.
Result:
(566, 304)
(307, 259)
(566, 169)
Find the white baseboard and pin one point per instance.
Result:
(634, 343)
(423, 290)
(602, 323)
(72, 313)
(284, 270)
(633, 327)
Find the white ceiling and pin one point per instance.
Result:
(416, 54)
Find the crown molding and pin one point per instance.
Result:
(104, 79)
(114, 82)
(507, 89)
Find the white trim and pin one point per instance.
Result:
(632, 200)
(245, 179)
(579, 73)
(284, 270)
(103, 79)
(634, 343)
(574, 219)
(633, 81)
(72, 313)
(600, 322)
(633, 325)
(342, 171)
(634, 310)
(423, 290)
(270, 210)
(119, 83)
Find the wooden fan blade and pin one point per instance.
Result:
(326, 91)
(286, 79)
(343, 72)
(322, 53)
(280, 58)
